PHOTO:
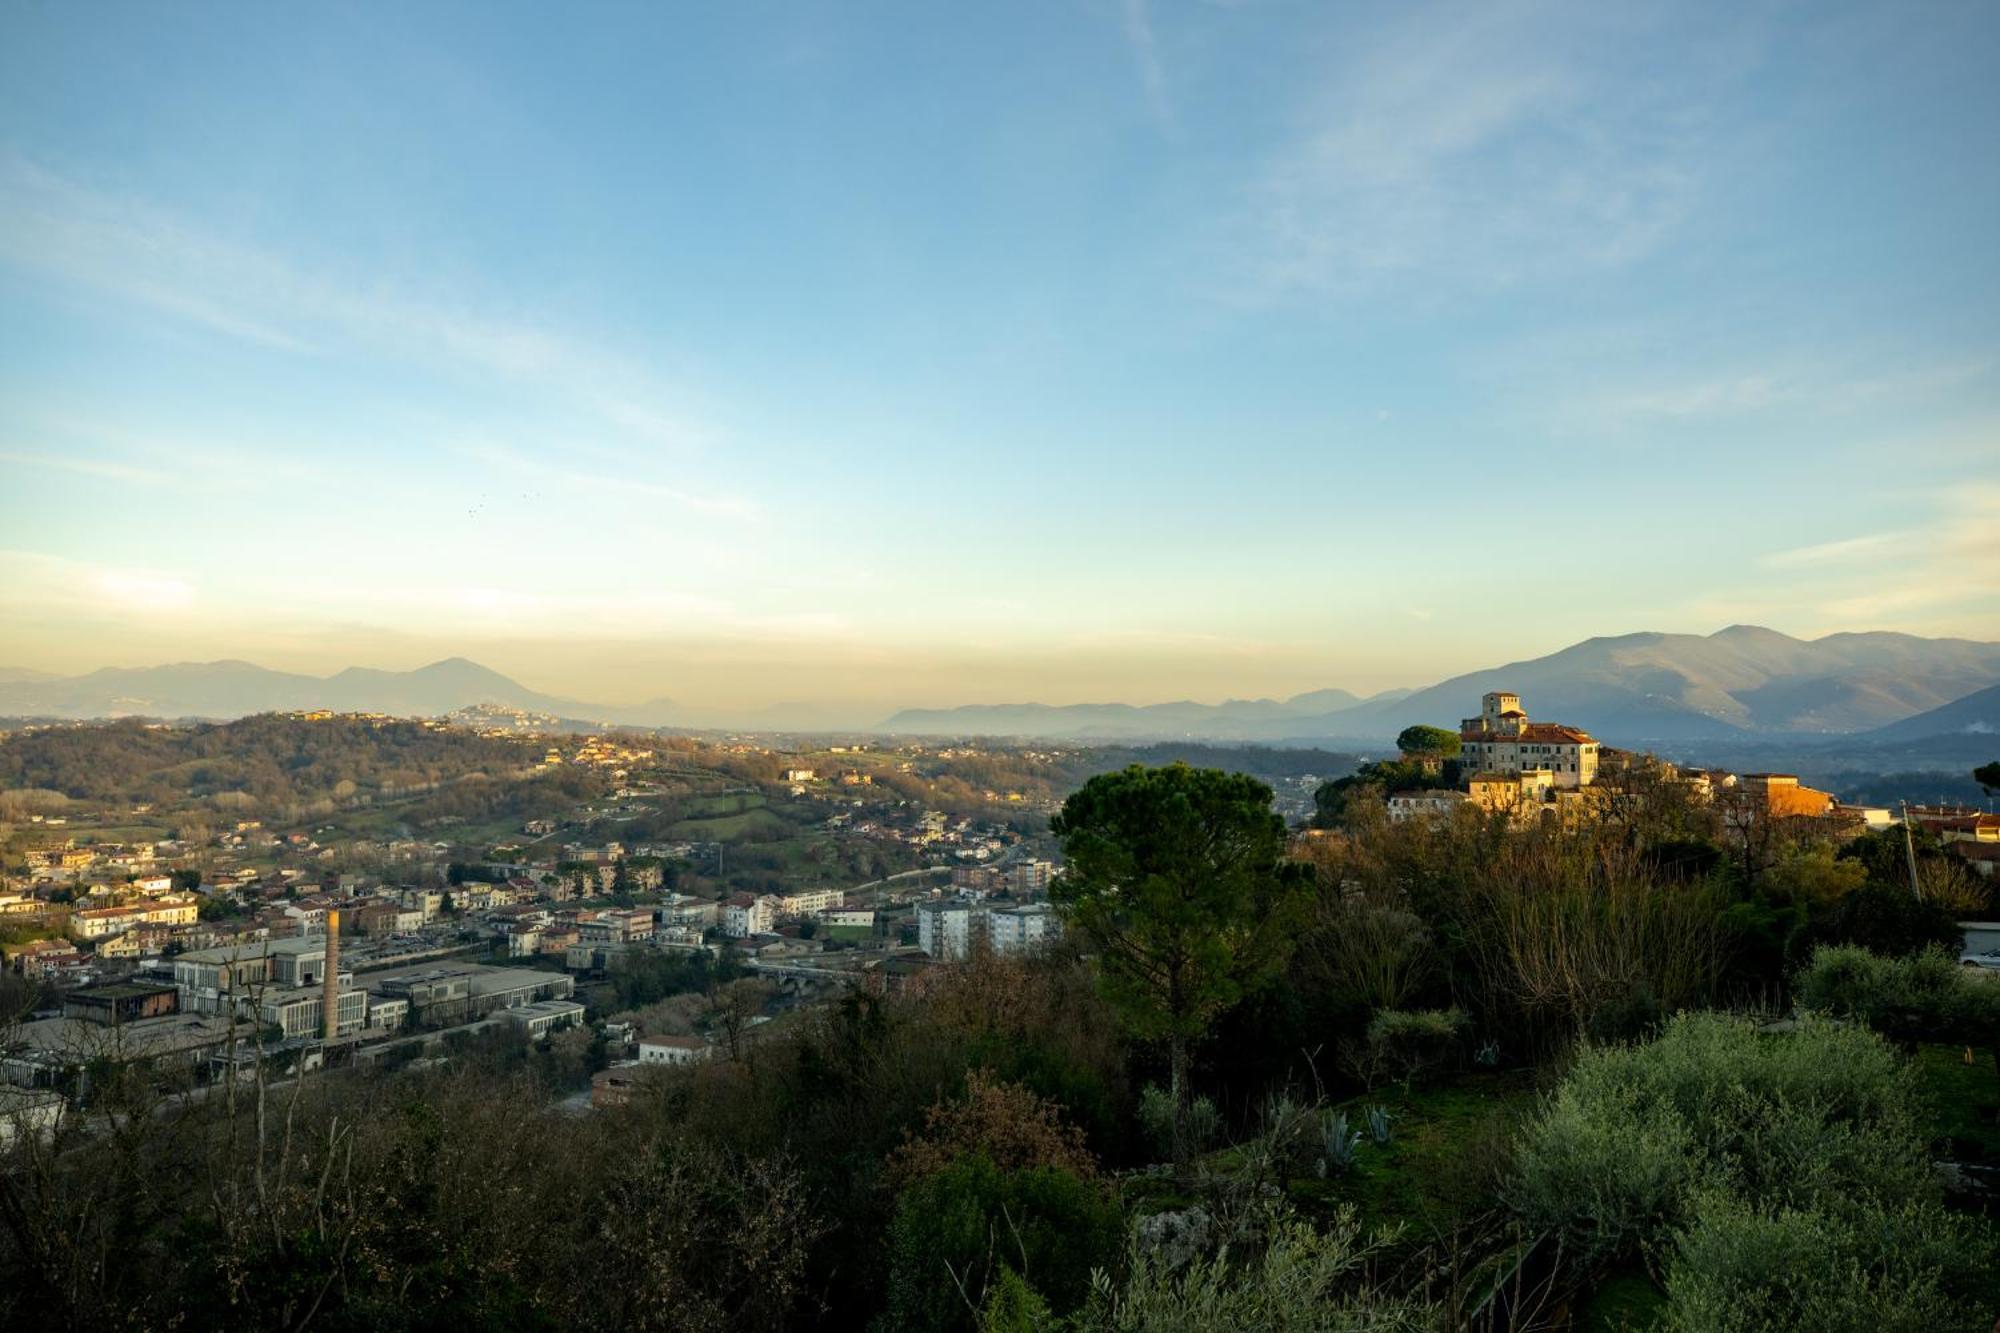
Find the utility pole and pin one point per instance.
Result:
(1910, 852)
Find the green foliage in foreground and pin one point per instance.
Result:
(1304, 1281)
(1729, 1155)
(1922, 997)
(1900, 1268)
(956, 1230)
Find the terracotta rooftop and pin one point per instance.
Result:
(1534, 733)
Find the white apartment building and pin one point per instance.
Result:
(97, 923)
(1023, 929)
(945, 929)
(952, 929)
(811, 901)
(744, 916)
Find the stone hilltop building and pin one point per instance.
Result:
(1501, 740)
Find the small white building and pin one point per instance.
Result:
(673, 1050)
(1435, 804)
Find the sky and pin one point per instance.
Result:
(919, 354)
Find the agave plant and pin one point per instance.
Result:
(1378, 1126)
(1339, 1143)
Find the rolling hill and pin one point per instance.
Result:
(1977, 714)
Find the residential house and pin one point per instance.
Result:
(673, 1050)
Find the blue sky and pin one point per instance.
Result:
(924, 354)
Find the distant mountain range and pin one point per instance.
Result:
(234, 689)
(1739, 683)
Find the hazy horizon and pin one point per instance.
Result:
(927, 357)
(961, 686)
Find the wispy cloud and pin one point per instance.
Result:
(528, 466)
(1485, 143)
(1138, 22)
(131, 249)
(112, 450)
(33, 581)
(102, 469)
(1873, 545)
(1937, 576)
(1825, 385)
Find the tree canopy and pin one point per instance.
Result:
(1424, 740)
(1176, 877)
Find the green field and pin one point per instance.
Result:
(726, 828)
(724, 803)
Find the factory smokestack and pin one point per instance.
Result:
(330, 996)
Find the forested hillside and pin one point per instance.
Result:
(274, 759)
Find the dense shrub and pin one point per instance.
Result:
(1924, 996)
(1882, 1268)
(955, 1230)
(1202, 1123)
(1407, 1045)
(1003, 1122)
(1793, 1118)
(1605, 1166)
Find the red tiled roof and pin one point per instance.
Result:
(1534, 733)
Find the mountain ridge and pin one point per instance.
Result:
(1741, 681)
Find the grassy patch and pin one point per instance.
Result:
(1963, 1100)
(723, 803)
(728, 827)
(848, 932)
(1446, 1150)
(94, 833)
